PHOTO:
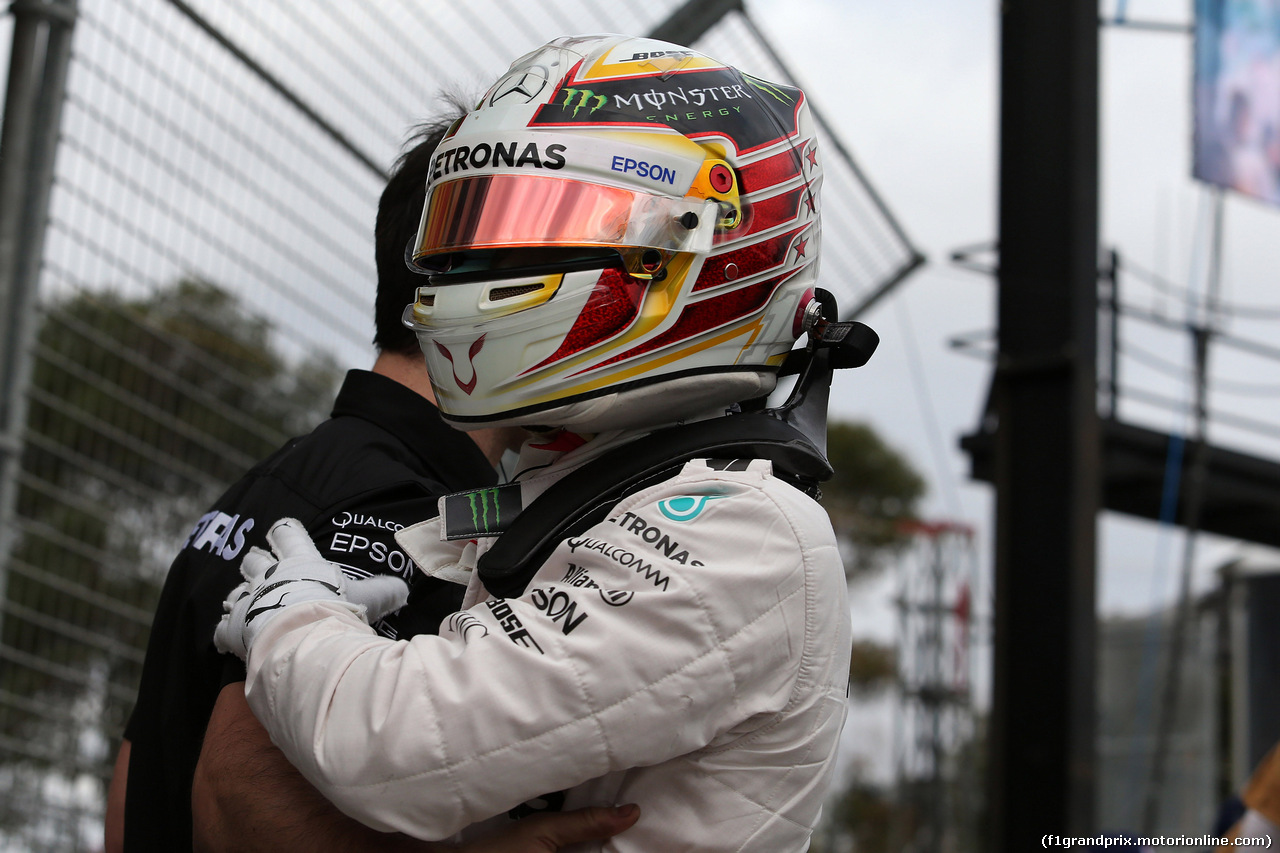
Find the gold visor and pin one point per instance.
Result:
(509, 211)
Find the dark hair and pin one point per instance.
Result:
(399, 210)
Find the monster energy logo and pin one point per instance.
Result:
(482, 512)
(585, 97)
(769, 89)
(480, 501)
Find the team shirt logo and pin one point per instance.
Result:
(685, 507)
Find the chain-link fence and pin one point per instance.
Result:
(202, 268)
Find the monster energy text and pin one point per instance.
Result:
(680, 96)
(576, 100)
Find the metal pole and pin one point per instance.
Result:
(1196, 479)
(901, 727)
(1113, 334)
(37, 82)
(938, 704)
(1047, 445)
(1224, 779)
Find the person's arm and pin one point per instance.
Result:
(247, 797)
(627, 650)
(114, 829)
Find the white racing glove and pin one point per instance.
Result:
(294, 574)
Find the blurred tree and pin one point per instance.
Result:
(874, 817)
(873, 491)
(868, 813)
(141, 412)
(872, 667)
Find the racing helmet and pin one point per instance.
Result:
(622, 233)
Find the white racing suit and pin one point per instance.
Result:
(690, 653)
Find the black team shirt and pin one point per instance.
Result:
(378, 464)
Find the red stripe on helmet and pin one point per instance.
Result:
(762, 215)
(769, 172)
(612, 306)
(708, 314)
(749, 260)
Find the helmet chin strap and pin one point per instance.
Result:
(832, 346)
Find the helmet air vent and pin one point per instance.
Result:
(499, 294)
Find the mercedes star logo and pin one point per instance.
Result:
(524, 83)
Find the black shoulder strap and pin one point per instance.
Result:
(585, 497)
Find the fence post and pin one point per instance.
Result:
(28, 142)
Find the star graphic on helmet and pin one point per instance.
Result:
(809, 200)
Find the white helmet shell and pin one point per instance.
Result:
(621, 234)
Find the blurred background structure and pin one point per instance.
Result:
(187, 193)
